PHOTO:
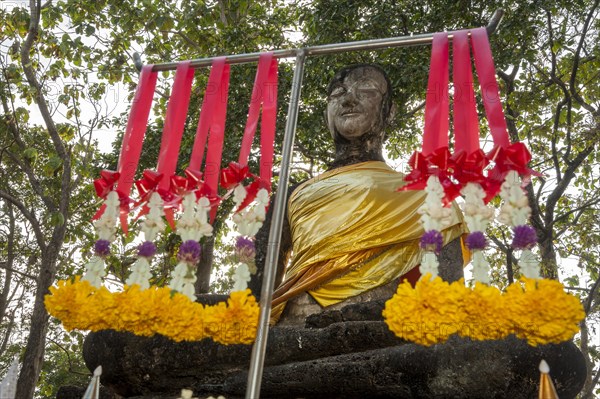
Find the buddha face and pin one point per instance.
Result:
(354, 105)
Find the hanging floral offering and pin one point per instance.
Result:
(141, 307)
(534, 309)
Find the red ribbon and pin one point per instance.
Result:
(466, 124)
(211, 128)
(486, 72)
(131, 147)
(160, 181)
(435, 134)
(468, 162)
(264, 93)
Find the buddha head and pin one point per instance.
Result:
(359, 104)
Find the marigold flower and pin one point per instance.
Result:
(156, 310)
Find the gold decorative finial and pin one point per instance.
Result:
(547, 390)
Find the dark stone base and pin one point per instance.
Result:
(71, 392)
(352, 359)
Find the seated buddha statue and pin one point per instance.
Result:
(349, 235)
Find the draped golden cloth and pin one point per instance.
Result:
(352, 231)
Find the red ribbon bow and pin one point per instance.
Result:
(233, 175)
(514, 157)
(105, 184)
(439, 163)
(180, 185)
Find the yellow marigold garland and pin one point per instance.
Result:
(542, 312)
(427, 314)
(157, 310)
(539, 311)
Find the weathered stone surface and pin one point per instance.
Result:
(134, 365)
(359, 359)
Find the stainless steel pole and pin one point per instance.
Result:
(260, 344)
(375, 44)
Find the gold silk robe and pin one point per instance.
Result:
(352, 231)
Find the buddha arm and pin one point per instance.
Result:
(262, 244)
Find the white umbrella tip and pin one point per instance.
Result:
(98, 371)
(544, 368)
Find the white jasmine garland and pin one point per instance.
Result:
(194, 224)
(433, 217)
(530, 267)
(477, 216)
(151, 226)
(481, 267)
(140, 273)
(106, 227)
(153, 222)
(515, 212)
(94, 271)
(241, 277)
(429, 264)
(183, 280)
(250, 219)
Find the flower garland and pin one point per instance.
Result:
(192, 226)
(157, 310)
(539, 311)
(106, 227)
(171, 311)
(248, 219)
(536, 310)
(477, 216)
(434, 217)
(151, 226)
(514, 213)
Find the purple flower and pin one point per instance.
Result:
(524, 237)
(476, 240)
(245, 250)
(147, 249)
(432, 240)
(102, 248)
(189, 252)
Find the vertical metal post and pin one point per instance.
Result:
(260, 344)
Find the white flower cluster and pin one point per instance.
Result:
(248, 222)
(241, 277)
(194, 223)
(106, 228)
(251, 218)
(478, 216)
(434, 216)
(192, 226)
(183, 280)
(515, 211)
(187, 394)
(152, 225)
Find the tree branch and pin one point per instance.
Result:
(59, 146)
(68, 359)
(576, 60)
(3, 265)
(29, 216)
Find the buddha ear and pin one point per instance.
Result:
(391, 114)
(326, 119)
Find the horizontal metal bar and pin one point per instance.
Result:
(374, 44)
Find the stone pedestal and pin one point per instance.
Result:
(339, 359)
